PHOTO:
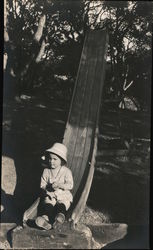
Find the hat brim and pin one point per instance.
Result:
(58, 153)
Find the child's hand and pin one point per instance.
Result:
(49, 187)
(57, 185)
(50, 194)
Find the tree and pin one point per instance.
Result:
(43, 35)
(46, 39)
(129, 27)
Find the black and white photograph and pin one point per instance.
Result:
(76, 124)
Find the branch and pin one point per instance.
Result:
(5, 58)
(41, 52)
(126, 87)
(6, 36)
(39, 31)
(125, 81)
(37, 38)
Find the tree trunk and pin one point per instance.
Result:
(36, 54)
(6, 36)
(9, 76)
(41, 52)
(39, 31)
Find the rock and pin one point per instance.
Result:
(9, 177)
(108, 232)
(5, 239)
(2, 208)
(63, 238)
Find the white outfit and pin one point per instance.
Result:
(64, 177)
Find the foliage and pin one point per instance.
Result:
(129, 52)
(34, 63)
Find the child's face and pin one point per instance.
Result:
(54, 161)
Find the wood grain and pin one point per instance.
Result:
(84, 111)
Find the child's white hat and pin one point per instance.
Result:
(59, 149)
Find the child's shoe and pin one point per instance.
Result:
(43, 223)
(60, 218)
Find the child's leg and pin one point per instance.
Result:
(41, 208)
(60, 208)
(50, 211)
(60, 215)
(47, 209)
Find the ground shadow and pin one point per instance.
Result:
(8, 214)
(137, 237)
(120, 195)
(33, 129)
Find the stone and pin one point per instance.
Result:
(9, 177)
(5, 239)
(108, 232)
(62, 238)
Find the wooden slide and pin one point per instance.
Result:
(81, 131)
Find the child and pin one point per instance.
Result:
(56, 183)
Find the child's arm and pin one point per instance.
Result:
(43, 183)
(44, 179)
